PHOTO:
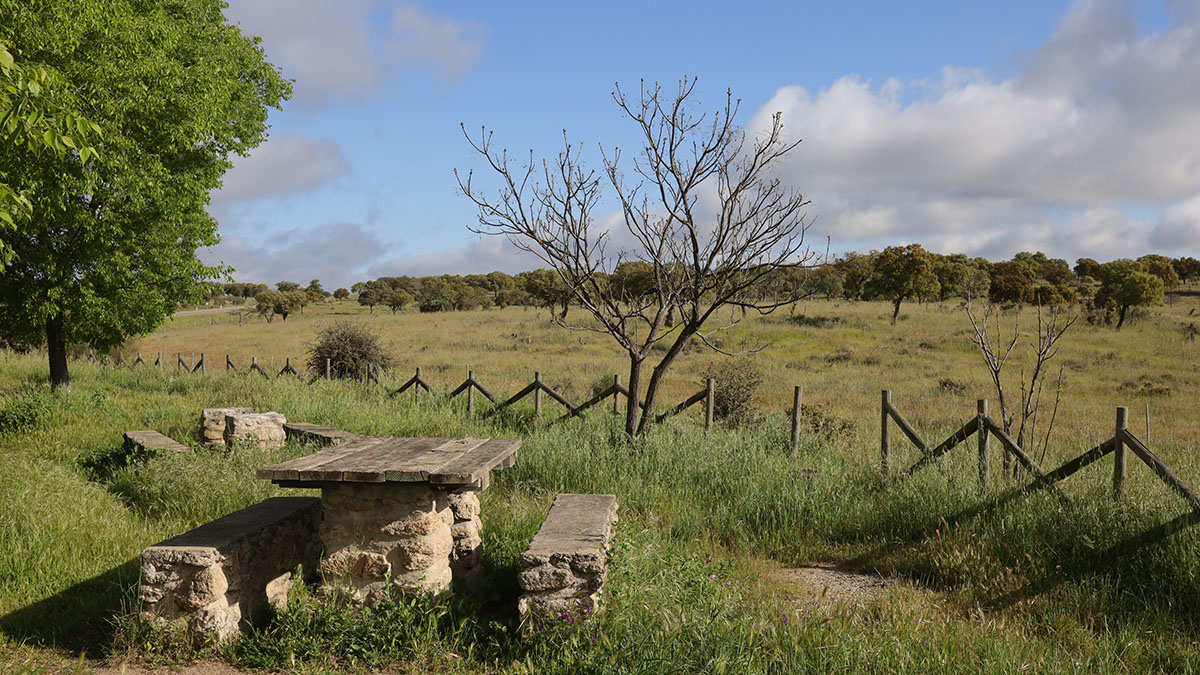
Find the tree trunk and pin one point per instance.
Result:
(631, 401)
(57, 347)
(566, 306)
(895, 311)
(1121, 319)
(657, 374)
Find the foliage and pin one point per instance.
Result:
(341, 294)
(902, 273)
(110, 250)
(23, 410)
(371, 293)
(350, 348)
(396, 299)
(283, 303)
(1124, 284)
(736, 383)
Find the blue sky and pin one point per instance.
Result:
(985, 128)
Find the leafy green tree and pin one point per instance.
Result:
(370, 293)
(548, 290)
(903, 272)
(1186, 268)
(1086, 267)
(856, 270)
(284, 286)
(396, 299)
(1009, 287)
(1124, 284)
(314, 291)
(33, 119)
(341, 294)
(1161, 267)
(110, 250)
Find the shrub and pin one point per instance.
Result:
(735, 384)
(22, 412)
(350, 346)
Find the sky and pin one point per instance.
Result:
(1072, 128)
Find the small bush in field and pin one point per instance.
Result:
(349, 346)
(735, 384)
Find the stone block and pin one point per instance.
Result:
(212, 423)
(223, 575)
(564, 567)
(316, 434)
(137, 441)
(263, 429)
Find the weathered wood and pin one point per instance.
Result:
(519, 395)
(1118, 479)
(981, 409)
(797, 397)
(1072, 466)
(1164, 472)
(421, 466)
(957, 437)
(414, 381)
(907, 429)
(885, 435)
(151, 440)
(616, 391)
(1011, 445)
(290, 470)
(328, 368)
(578, 410)
(537, 394)
(316, 433)
(691, 401)
(229, 364)
(474, 463)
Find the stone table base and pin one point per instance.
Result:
(380, 536)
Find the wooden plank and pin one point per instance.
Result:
(556, 396)
(475, 463)
(957, 437)
(908, 430)
(290, 470)
(433, 454)
(1023, 458)
(1164, 472)
(369, 465)
(1072, 466)
(327, 471)
(691, 401)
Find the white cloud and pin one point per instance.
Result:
(1101, 118)
(334, 51)
(1179, 227)
(285, 164)
(337, 254)
(483, 255)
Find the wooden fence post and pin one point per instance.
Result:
(203, 365)
(228, 363)
(537, 394)
(1119, 453)
(885, 437)
(797, 398)
(327, 368)
(616, 394)
(981, 407)
(710, 399)
(417, 387)
(470, 393)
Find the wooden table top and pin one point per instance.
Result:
(372, 459)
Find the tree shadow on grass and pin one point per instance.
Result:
(77, 619)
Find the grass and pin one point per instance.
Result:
(1029, 584)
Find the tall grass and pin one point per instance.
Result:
(1027, 584)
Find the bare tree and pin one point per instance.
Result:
(706, 211)
(996, 349)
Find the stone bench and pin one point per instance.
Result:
(222, 576)
(136, 441)
(315, 434)
(264, 430)
(212, 424)
(564, 567)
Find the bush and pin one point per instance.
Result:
(735, 384)
(23, 411)
(350, 346)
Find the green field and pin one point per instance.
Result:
(1029, 585)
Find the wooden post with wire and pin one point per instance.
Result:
(797, 400)
(1119, 454)
(981, 409)
(885, 435)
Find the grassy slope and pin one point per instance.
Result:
(70, 522)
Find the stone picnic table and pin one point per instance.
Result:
(398, 512)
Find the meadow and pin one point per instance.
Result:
(706, 518)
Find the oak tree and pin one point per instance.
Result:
(109, 249)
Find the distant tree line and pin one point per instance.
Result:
(896, 274)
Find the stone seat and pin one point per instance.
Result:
(565, 565)
(148, 439)
(222, 576)
(315, 434)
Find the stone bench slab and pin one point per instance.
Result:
(148, 439)
(222, 576)
(565, 565)
(316, 434)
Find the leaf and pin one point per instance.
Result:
(33, 87)
(68, 141)
(6, 59)
(84, 153)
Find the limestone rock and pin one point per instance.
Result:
(465, 505)
(212, 423)
(265, 429)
